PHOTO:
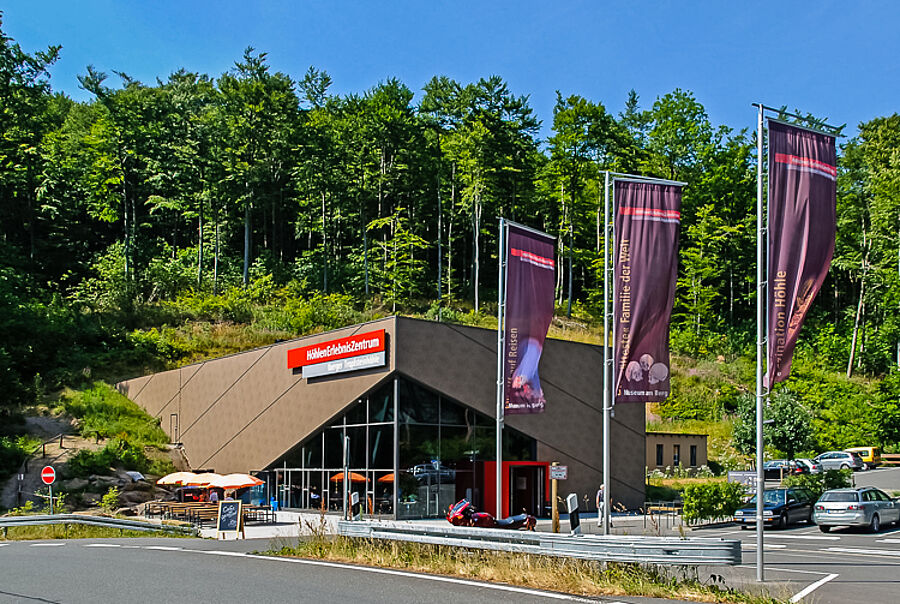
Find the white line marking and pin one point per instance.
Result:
(878, 552)
(217, 553)
(888, 540)
(47, 544)
(765, 546)
(164, 548)
(3, 544)
(812, 587)
(101, 545)
(811, 537)
(399, 573)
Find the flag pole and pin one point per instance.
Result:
(607, 360)
(501, 312)
(761, 300)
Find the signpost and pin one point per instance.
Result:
(48, 476)
(557, 472)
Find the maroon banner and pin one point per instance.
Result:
(802, 201)
(646, 268)
(530, 278)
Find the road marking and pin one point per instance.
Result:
(765, 546)
(218, 553)
(47, 544)
(101, 545)
(888, 540)
(878, 552)
(812, 587)
(400, 573)
(811, 537)
(164, 548)
(3, 544)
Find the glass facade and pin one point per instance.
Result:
(441, 447)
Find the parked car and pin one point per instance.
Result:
(433, 473)
(813, 467)
(871, 456)
(840, 460)
(863, 506)
(781, 507)
(776, 469)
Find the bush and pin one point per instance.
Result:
(104, 413)
(110, 501)
(712, 500)
(819, 483)
(117, 453)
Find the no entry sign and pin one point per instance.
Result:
(48, 475)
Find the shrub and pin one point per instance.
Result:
(110, 501)
(104, 413)
(819, 483)
(711, 500)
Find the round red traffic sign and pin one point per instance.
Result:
(48, 475)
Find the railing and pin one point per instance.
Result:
(67, 519)
(605, 548)
(890, 459)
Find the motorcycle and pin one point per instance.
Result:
(464, 513)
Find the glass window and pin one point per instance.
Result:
(517, 446)
(456, 444)
(357, 413)
(452, 414)
(381, 404)
(419, 444)
(358, 446)
(676, 455)
(334, 448)
(381, 447)
(850, 496)
(484, 445)
(312, 452)
(693, 456)
(659, 455)
(417, 405)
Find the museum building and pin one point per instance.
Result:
(416, 399)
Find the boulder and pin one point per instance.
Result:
(134, 497)
(90, 499)
(75, 484)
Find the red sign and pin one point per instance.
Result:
(48, 475)
(333, 350)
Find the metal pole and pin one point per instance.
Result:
(346, 473)
(501, 311)
(50, 486)
(761, 292)
(554, 508)
(607, 359)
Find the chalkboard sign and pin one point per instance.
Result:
(229, 516)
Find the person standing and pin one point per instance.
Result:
(600, 509)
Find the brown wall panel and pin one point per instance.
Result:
(242, 412)
(462, 363)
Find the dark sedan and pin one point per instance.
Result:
(781, 507)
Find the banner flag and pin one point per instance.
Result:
(802, 224)
(530, 280)
(646, 268)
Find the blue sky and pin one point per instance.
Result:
(835, 59)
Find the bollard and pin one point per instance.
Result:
(574, 520)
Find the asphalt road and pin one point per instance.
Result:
(851, 564)
(197, 571)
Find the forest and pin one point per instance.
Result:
(136, 225)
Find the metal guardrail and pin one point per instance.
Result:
(604, 548)
(119, 523)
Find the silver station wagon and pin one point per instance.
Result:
(863, 506)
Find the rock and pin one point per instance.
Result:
(126, 512)
(134, 497)
(138, 486)
(90, 499)
(75, 484)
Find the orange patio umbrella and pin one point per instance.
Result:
(235, 481)
(354, 477)
(176, 478)
(386, 478)
(202, 480)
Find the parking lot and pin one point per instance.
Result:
(803, 564)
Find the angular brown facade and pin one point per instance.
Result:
(246, 411)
